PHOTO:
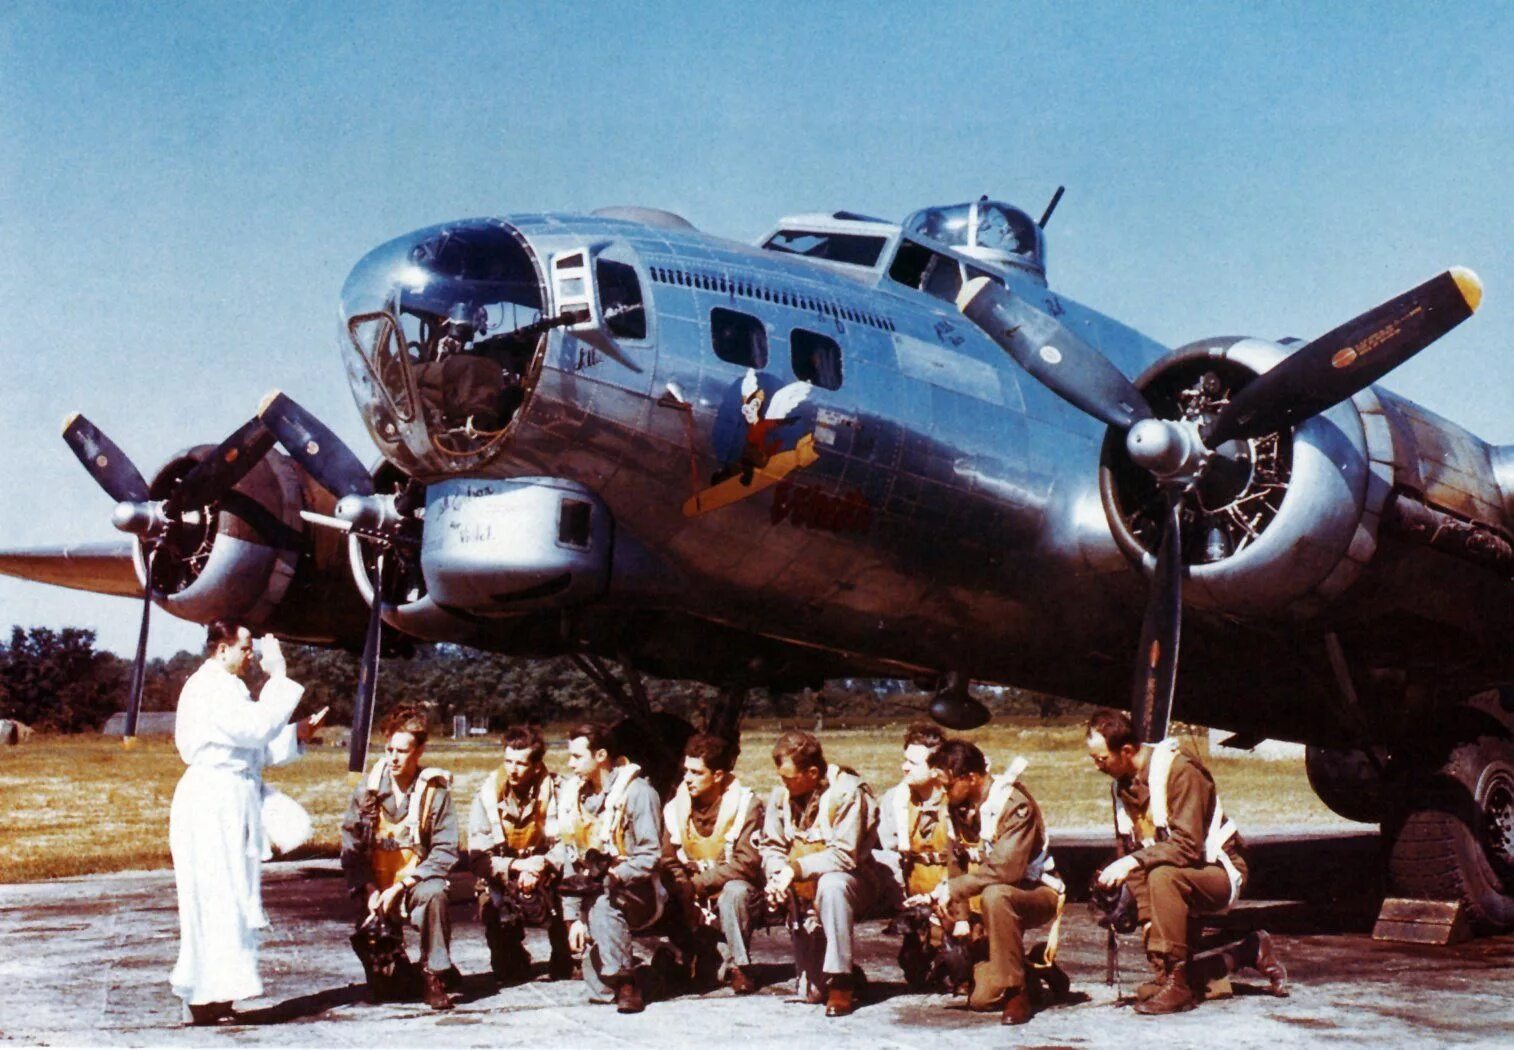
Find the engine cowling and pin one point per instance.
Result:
(1282, 523)
(253, 559)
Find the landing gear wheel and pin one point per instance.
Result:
(1454, 839)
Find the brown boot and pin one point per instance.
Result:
(840, 1002)
(434, 992)
(1174, 996)
(1017, 1007)
(1266, 962)
(1158, 976)
(628, 998)
(741, 982)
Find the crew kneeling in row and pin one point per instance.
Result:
(511, 829)
(399, 841)
(1181, 859)
(609, 845)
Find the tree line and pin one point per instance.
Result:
(57, 681)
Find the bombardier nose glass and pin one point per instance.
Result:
(440, 331)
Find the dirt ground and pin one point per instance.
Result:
(85, 961)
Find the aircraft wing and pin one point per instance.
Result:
(104, 568)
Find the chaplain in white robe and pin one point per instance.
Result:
(216, 827)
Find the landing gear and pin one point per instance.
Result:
(652, 739)
(1453, 837)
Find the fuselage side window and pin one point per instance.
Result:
(620, 299)
(816, 358)
(739, 338)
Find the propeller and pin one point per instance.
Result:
(378, 517)
(153, 521)
(1177, 453)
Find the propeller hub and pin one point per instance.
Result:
(1170, 449)
(144, 518)
(369, 513)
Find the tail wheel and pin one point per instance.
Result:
(1455, 836)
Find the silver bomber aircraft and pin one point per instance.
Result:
(866, 448)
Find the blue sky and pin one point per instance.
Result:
(185, 186)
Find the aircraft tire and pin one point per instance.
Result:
(1454, 837)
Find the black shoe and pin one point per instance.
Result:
(433, 994)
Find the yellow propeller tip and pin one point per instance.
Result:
(68, 421)
(268, 399)
(1469, 285)
(128, 742)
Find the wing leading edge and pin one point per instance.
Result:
(104, 568)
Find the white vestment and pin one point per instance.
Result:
(215, 828)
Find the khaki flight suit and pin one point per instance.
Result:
(1015, 877)
(711, 857)
(1176, 880)
(503, 828)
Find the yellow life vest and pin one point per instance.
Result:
(531, 832)
(584, 832)
(815, 838)
(923, 858)
(706, 851)
(399, 846)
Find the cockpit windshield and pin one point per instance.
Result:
(984, 229)
(440, 329)
(850, 248)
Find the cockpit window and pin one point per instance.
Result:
(984, 229)
(932, 272)
(850, 248)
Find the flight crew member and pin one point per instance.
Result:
(1016, 877)
(817, 839)
(711, 854)
(511, 827)
(914, 832)
(399, 842)
(609, 807)
(1179, 855)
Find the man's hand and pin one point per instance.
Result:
(499, 867)
(1117, 872)
(272, 662)
(306, 728)
(961, 930)
(528, 878)
(578, 937)
(388, 901)
(778, 885)
(916, 899)
(373, 899)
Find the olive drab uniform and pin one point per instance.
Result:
(827, 839)
(504, 828)
(713, 862)
(1017, 881)
(1168, 816)
(393, 837)
(623, 818)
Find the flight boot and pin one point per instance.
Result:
(1149, 988)
(434, 992)
(1175, 995)
(1017, 1007)
(628, 998)
(741, 982)
(1255, 951)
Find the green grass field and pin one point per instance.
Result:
(84, 804)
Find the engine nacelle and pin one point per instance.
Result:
(1349, 782)
(254, 560)
(1286, 522)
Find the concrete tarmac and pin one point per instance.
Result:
(85, 962)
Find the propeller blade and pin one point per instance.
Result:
(1161, 631)
(367, 682)
(314, 447)
(219, 472)
(1057, 359)
(139, 665)
(1348, 358)
(111, 468)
